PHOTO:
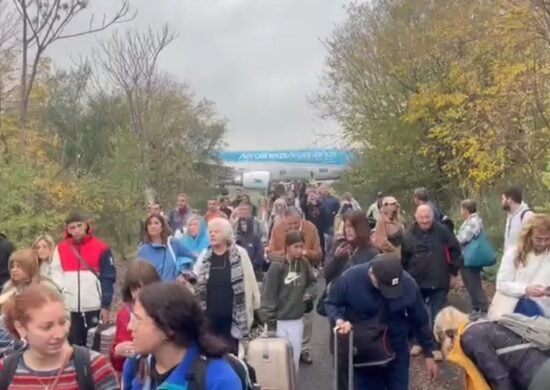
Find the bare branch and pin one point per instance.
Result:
(123, 15)
(45, 22)
(130, 63)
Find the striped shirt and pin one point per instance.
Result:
(26, 379)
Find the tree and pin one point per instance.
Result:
(175, 135)
(44, 23)
(449, 95)
(130, 62)
(8, 44)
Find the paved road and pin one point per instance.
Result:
(319, 376)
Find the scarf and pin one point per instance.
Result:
(239, 326)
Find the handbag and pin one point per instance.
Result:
(321, 310)
(479, 252)
(371, 344)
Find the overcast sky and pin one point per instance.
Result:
(258, 60)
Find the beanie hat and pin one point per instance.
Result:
(76, 217)
(293, 237)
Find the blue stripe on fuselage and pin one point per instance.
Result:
(302, 156)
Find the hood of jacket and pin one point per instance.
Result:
(198, 243)
(474, 379)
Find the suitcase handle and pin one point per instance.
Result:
(350, 359)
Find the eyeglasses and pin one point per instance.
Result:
(541, 240)
(390, 204)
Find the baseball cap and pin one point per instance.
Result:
(389, 273)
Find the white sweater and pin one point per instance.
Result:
(512, 281)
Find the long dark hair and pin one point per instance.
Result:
(360, 224)
(165, 229)
(177, 313)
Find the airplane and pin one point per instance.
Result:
(257, 169)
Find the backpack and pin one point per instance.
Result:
(197, 374)
(82, 364)
(523, 214)
(370, 341)
(534, 330)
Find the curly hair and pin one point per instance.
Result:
(540, 223)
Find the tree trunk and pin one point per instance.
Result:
(24, 102)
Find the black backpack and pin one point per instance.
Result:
(197, 374)
(371, 344)
(82, 366)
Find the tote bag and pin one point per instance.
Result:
(479, 252)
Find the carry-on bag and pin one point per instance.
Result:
(101, 337)
(271, 359)
(337, 363)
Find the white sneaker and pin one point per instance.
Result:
(438, 356)
(416, 350)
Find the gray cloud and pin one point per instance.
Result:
(259, 60)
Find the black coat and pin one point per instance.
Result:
(510, 371)
(432, 256)
(336, 266)
(6, 249)
(252, 242)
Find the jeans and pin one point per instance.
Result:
(435, 299)
(471, 276)
(395, 376)
(80, 324)
(528, 307)
(292, 330)
(308, 330)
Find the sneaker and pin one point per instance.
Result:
(416, 350)
(438, 356)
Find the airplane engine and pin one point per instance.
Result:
(257, 180)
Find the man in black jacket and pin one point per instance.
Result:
(432, 256)
(6, 249)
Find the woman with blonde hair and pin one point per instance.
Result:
(24, 271)
(524, 274)
(277, 214)
(43, 247)
(487, 352)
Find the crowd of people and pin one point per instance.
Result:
(203, 285)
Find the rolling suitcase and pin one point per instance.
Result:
(271, 359)
(101, 337)
(350, 361)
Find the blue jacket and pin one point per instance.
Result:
(164, 259)
(195, 245)
(354, 297)
(219, 375)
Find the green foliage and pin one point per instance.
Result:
(449, 95)
(79, 152)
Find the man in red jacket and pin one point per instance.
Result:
(88, 274)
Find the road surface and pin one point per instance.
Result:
(319, 376)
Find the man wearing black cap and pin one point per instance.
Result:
(89, 275)
(368, 289)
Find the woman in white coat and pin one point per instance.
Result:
(523, 279)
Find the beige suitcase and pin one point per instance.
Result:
(271, 359)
